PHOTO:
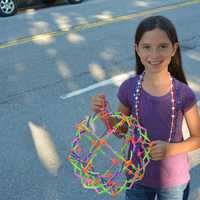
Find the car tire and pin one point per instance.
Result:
(8, 8)
(75, 1)
(48, 1)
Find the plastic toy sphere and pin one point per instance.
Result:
(105, 162)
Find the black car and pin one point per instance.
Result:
(9, 7)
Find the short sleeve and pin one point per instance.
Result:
(124, 94)
(188, 99)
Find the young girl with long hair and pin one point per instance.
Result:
(159, 97)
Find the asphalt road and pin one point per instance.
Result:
(52, 61)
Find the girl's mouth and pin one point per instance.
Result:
(155, 63)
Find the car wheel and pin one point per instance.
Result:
(48, 1)
(75, 1)
(8, 7)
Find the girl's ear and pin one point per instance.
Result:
(176, 45)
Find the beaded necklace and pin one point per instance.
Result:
(137, 95)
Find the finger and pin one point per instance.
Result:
(101, 96)
(156, 156)
(155, 142)
(97, 109)
(155, 152)
(97, 99)
(98, 102)
(155, 148)
(98, 96)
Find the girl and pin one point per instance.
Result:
(159, 97)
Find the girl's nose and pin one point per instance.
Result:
(155, 53)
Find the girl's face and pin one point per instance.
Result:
(155, 50)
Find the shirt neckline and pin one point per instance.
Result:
(155, 97)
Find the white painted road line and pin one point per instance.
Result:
(116, 80)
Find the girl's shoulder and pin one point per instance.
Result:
(183, 87)
(130, 82)
(185, 95)
(125, 90)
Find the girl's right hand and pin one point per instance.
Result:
(98, 103)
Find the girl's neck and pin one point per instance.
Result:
(157, 84)
(157, 80)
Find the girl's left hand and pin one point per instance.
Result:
(159, 149)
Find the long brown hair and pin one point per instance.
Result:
(148, 24)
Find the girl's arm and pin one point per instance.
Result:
(193, 142)
(161, 149)
(122, 108)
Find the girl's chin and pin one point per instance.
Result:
(156, 69)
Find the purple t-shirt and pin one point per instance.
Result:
(155, 116)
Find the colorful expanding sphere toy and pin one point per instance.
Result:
(104, 162)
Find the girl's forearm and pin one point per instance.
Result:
(187, 145)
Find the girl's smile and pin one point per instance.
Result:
(155, 63)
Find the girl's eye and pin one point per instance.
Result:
(164, 46)
(146, 47)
